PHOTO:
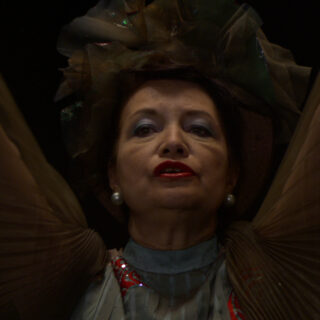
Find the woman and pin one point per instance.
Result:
(188, 135)
(172, 148)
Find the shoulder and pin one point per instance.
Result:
(102, 300)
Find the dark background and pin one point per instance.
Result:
(29, 61)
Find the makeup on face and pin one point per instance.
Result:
(198, 123)
(171, 150)
(173, 169)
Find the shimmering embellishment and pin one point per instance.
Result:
(230, 200)
(126, 277)
(102, 44)
(116, 198)
(234, 308)
(260, 53)
(69, 112)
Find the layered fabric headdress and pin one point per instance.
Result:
(218, 39)
(48, 253)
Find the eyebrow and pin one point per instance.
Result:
(199, 113)
(153, 112)
(145, 111)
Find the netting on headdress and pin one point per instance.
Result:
(218, 38)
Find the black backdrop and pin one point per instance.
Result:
(29, 61)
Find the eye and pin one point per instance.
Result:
(200, 131)
(144, 130)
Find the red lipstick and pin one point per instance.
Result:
(173, 169)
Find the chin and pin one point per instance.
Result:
(178, 200)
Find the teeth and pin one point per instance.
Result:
(172, 170)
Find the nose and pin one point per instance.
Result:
(174, 144)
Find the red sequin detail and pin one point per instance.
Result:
(234, 308)
(126, 277)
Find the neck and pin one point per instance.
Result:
(173, 261)
(171, 229)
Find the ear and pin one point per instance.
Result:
(233, 177)
(112, 176)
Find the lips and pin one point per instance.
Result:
(173, 169)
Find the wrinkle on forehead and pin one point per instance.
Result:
(156, 97)
(170, 86)
(154, 92)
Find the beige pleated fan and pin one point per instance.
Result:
(274, 262)
(47, 253)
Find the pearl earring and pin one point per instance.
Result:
(116, 198)
(230, 200)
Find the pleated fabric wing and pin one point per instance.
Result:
(274, 262)
(47, 253)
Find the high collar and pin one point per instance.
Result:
(173, 261)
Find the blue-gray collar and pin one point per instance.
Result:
(171, 262)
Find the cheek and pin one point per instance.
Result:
(133, 176)
(215, 168)
(130, 166)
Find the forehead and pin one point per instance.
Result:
(170, 95)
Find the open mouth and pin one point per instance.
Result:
(173, 169)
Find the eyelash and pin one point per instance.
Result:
(139, 131)
(145, 130)
(200, 131)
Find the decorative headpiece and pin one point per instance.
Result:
(219, 39)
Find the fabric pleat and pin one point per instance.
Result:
(47, 253)
(274, 262)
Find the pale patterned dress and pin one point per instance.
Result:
(168, 285)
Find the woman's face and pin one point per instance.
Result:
(171, 151)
